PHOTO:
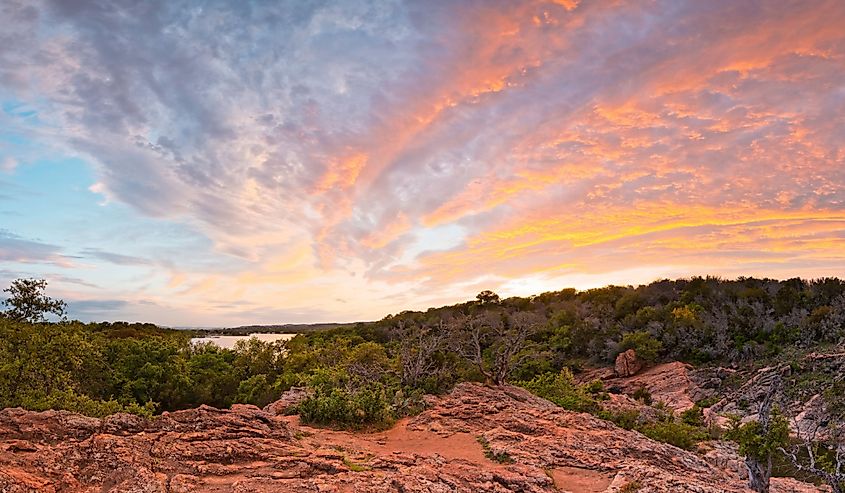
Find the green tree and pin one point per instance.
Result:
(759, 440)
(646, 346)
(28, 303)
(487, 297)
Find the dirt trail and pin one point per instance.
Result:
(399, 439)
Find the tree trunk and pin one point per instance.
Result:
(758, 475)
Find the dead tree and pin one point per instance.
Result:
(418, 349)
(825, 454)
(493, 344)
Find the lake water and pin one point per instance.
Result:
(228, 342)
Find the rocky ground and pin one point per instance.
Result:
(476, 439)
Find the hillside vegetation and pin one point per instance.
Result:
(369, 372)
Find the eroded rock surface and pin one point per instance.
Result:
(540, 448)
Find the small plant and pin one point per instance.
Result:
(501, 456)
(680, 435)
(354, 466)
(366, 407)
(595, 387)
(707, 402)
(693, 416)
(561, 389)
(626, 419)
(631, 487)
(643, 395)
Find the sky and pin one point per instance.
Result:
(223, 163)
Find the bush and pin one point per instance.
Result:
(627, 419)
(681, 435)
(367, 407)
(753, 442)
(693, 416)
(256, 390)
(500, 456)
(643, 395)
(69, 400)
(561, 389)
(647, 347)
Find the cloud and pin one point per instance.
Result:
(115, 258)
(8, 164)
(551, 139)
(13, 248)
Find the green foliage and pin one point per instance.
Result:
(561, 389)
(647, 347)
(693, 416)
(627, 419)
(707, 402)
(256, 390)
(753, 442)
(595, 387)
(643, 395)
(71, 401)
(501, 456)
(354, 466)
(366, 407)
(681, 435)
(28, 303)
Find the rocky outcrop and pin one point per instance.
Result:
(476, 439)
(627, 364)
(288, 401)
(669, 383)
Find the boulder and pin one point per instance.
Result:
(288, 401)
(627, 364)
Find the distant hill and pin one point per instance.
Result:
(275, 329)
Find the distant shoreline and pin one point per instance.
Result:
(265, 329)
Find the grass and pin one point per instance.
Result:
(354, 466)
(501, 457)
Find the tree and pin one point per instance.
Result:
(28, 303)
(758, 440)
(418, 349)
(647, 347)
(821, 452)
(487, 297)
(494, 345)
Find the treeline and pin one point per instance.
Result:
(369, 373)
(99, 369)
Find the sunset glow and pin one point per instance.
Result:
(224, 163)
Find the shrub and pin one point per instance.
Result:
(365, 407)
(627, 419)
(69, 400)
(256, 390)
(595, 387)
(643, 395)
(751, 440)
(561, 389)
(501, 456)
(647, 347)
(693, 416)
(680, 435)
